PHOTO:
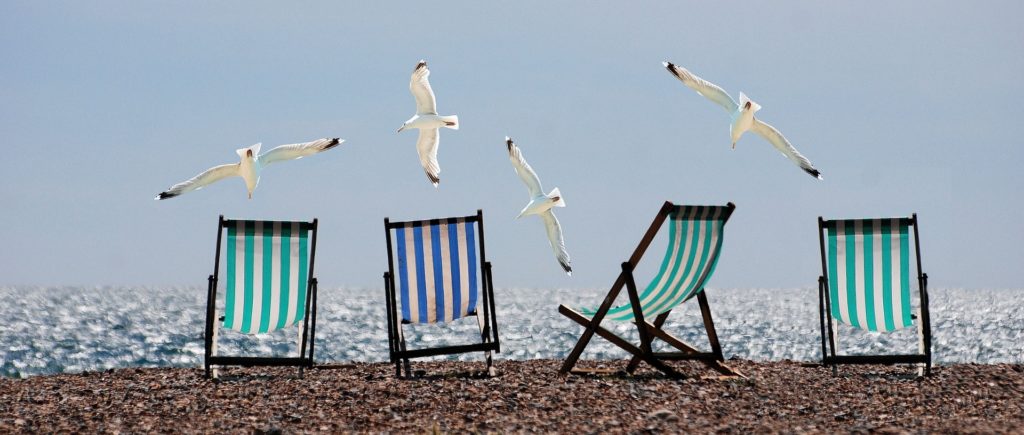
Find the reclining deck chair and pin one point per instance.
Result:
(269, 286)
(865, 283)
(695, 240)
(436, 269)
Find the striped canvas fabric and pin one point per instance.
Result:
(267, 275)
(437, 269)
(869, 272)
(694, 242)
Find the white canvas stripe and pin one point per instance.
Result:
(840, 273)
(275, 276)
(897, 273)
(410, 271)
(239, 275)
(695, 270)
(294, 287)
(428, 274)
(659, 293)
(858, 262)
(876, 267)
(257, 278)
(710, 255)
(446, 271)
(464, 266)
(673, 281)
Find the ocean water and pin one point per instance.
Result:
(72, 329)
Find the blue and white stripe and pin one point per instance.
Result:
(437, 270)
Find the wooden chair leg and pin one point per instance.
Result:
(635, 361)
(709, 325)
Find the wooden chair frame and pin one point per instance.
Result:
(829, 332)
(648, 331)
(398, 352)
(307, 329)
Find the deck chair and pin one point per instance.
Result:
(865, 283)
(437, 273)
(269, 285)
(695, 241)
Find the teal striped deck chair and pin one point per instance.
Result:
(694, 244)
(268, 286)
(866, 266)
(438, 273)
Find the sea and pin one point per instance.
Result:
(48, 330)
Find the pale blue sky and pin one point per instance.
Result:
(904, 107)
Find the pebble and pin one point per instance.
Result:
(530, 395)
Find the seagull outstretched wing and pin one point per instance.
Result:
(780, 143)
(298, 150)
(420, 88)
(426, 146)
(555, 239)
(709, 90)
(523, 169)
(208, 176)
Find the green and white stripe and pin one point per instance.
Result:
(695, 240)
(869, 273)
(267, 275)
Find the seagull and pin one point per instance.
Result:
(742, 116)
(427, 121)
(250, 165)
(540, 204)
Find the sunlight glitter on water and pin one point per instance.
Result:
(73, 329)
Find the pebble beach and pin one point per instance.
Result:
(530, 395)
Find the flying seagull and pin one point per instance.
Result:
(540, 204)
(742, 116)
(427, 121)
(252, 162)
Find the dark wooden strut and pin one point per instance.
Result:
(593, 324)
(831, 358)
(647, 330)
(922, 283)
(824, 293)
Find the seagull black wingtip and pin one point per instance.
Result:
(814, 173)
(508, 143)
(671, 68)
(334, 142)
(165, 195)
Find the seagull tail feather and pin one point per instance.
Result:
(451, 121)
(557, 197)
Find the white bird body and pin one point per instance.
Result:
(742, 117)
(250, 165)
(541, 204)
(427, 121)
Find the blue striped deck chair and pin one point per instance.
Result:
(437, 273)
(866, 284)
(694, 244)
(268, 286)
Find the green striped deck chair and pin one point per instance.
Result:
(694, 244)
(437, 273)
(865, 284)
(268, 286)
